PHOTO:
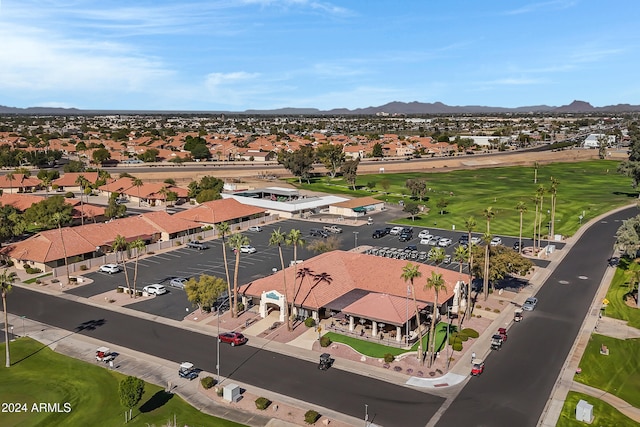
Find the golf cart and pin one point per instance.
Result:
(503, 333)
(496, 342)
(325, 361)
(477, 367)
(187, 371)
(103, 354)
(517, 315)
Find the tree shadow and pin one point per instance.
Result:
(156, 401)
(629, 194)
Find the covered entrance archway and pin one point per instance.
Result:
(270, 300)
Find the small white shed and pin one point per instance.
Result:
(584, 411)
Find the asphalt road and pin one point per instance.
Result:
(389, 405)
(518, 379)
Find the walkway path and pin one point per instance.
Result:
(626, 408)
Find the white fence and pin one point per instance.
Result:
(110, 258)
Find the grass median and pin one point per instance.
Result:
(605, 415)
(39, 375)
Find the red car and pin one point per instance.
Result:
(233, 338)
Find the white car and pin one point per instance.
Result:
(247, 249)
(110, 268)
(155, 289)
(444, 242)
(475, 240)
(256, 228)
(423, 234)
(426, 240)
(530, 304)
(396, 230)
(496, 241)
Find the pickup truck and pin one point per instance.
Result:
(332, 229)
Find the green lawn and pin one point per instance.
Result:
(40, 375)
(618, 373)
(617, 308)
(605, 415)
(372, 348)
(593, 187)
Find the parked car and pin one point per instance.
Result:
(233, 338)
(405, 237)
(246, 249)
(155, 289)
(423, 233)
(530, 304)
(477, 367)
(178, 282)
(110, 268)
(516, 246)
(188, 371)
(378, 234)
(464, 239)
(447, 259)
(255, 228)
(332, 229)
(496, 241)
(435, 240)
(475, 240)
(496, 342)
(411, 248)
(395, 231)
(316, 232)
(444, 242)
(197, 245)
(426, 240)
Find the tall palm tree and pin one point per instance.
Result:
(436, 255)
(487, 252)
(553, 189)
(236, 241)
(139, 246)
(164, 191)
(294, 238)
(59, 218)
(540, 193)
(470, 225)
(535, 172)
(489, 214)
(461, 255)
(435, 282)
(6, 283)
(82, 182)
(137, 182)
(410, 272)
(278, 238)
(46, 180)
(536, 201)
(119, 246)
(522, 208)
(223, 230)
(10, 176)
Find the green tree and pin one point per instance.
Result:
(521, 207)
(376, 151)
(150, 155)
(137, 182)
(6, 283)
(349, 171)
(100, 156)
(10, 176)
(236, 241)
(320, 246)
(207, 195)
(553, 189)
(442, 205)
(437, 284)
(417, 187)
(411, 272)
(331, 156)
(294, 238)
(120, 246)
(82, 182)
(461, 255)
(130, 390)
(223, 230)
(205, 291)
(628, 237)
(12, 223)
(504, 261)
(59, 218)
(299, 162)
(412, 208)
(540, 194)
(278, 238)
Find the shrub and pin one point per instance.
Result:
(207, 382)
(177, 243)
(388, 357)
(309, 322)
(31, 270)
(199, 237)
(488, 308)
(457, 346)
(119, 290)
(496, 310)
(262, 403)
(10, 263)
(325, 341)
(471, 333)
(219, 391)
(478, 306)
(69, 195)
(311, 416)
(138, 293)
(83, 267)
(240, 307)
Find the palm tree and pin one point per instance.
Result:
(59, 218)
(278, 238)
(236, 241)
(120, 245)
(294, 238)
(164, 191)
(522, 208)
(6, 283)
(435, 282)
(139, 246)
(489, 214)
(535, 172)
(470, 225)
(536, 201)
(487, 250)
(410, 272)
(137, 182)
(10, 177)
(223, 229)
(82, 182)
(553, 189)
(460, 255)
(540, 193)
(437, 256)
(46, 180)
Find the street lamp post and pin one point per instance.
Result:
(218, 350)
(366, 415)
(355, 234)
(23, 330)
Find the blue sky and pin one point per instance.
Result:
(234, 55)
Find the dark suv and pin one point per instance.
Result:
(405, 235)
(378, 234)
(316, 232)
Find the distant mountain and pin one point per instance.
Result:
(393, 108)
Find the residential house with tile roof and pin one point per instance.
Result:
(353, 286)
(68, 181)
(223, 210)
(19, 183)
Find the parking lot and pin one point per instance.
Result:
(190, 262)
